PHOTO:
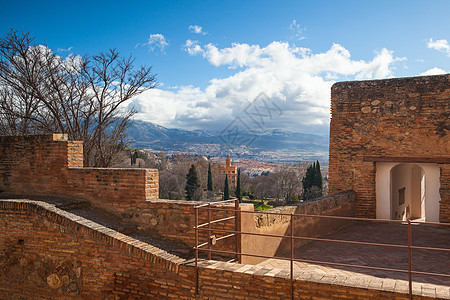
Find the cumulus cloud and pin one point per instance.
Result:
(155, 41)
(433, 71)
(440, 45)
(196, 29)
(296, 79)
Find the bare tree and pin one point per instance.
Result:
(40, 92)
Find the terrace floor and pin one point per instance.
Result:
(373, 256)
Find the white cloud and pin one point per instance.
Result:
(196, 29)
(433, 71)
(297, 30)
(156, 40)
(440, 45)
(295, 78)
(192, 47)
(64, 49)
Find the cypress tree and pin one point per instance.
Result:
(313, 178)
(318, 177)
(210, 184)
(238, 186)
(226, 190)
(192, 183)
(133, 158)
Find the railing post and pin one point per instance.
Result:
(409, 260)
(196, 250)
(236, 229)
(292, 257)
(209, 232)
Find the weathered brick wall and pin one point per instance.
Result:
(47, 253)
(50, 165)
(402, 117)
(341, 204)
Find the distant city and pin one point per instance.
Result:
(268, 148)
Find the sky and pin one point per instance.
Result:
(214, 58)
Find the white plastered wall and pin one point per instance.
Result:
(429, 190)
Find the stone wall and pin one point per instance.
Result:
(47, 253)
(341, 204)
(402, 119)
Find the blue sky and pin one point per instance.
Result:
(213, 58)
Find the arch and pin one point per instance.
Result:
(407, 191)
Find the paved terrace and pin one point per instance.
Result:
(395, 258)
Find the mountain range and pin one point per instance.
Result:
(147, 135)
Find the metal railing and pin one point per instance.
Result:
(237, 233)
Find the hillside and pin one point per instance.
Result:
(147, 135)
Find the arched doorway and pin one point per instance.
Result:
(407, 191)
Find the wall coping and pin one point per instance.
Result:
(94, 230)
(173, 263)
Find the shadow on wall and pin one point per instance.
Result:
(342, 204)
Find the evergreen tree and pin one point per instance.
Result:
(318, 176)
(238, 186)
(226, 190)
(312, 182)
(192, 184)
(133, 158)
(210, 184)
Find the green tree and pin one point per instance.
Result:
(318, 176)
(312, 182)
(133, 158)
(226, 190)
(210, 184)
(238, 186)
(192, 184)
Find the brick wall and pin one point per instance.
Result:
(50, 165)
(47, 253)
(404, 118)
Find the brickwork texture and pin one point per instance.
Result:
(47, 253)
(405, 118)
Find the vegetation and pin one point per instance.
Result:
(282, 186)
(312, 182)
(260, 205)
(83, 97)
(226, 190)
(193, 191)
(210, 184)
(238, 186)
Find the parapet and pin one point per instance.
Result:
(51, 165)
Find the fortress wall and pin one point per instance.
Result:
(378, 120)
(50, 165)
(48, 253)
